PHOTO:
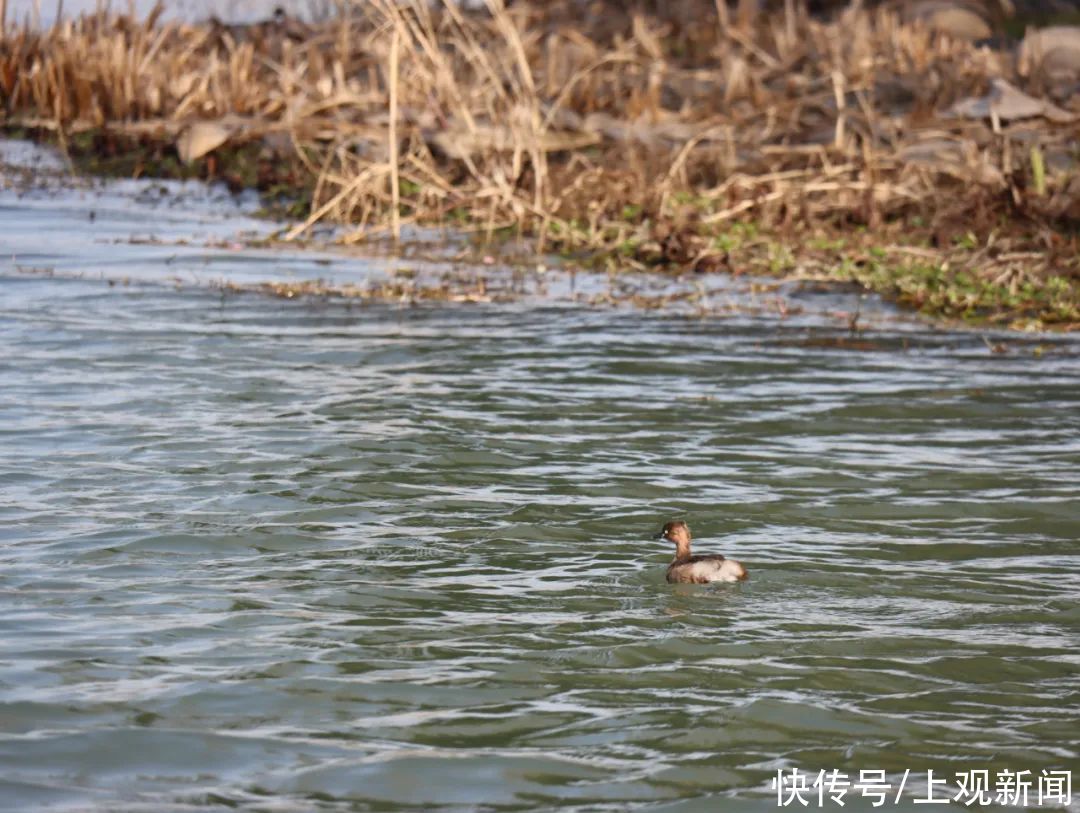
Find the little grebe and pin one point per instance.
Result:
(709, 567)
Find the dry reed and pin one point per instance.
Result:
(644, 138)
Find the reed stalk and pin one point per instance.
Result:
(395, 188)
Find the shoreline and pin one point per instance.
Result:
(666, 148)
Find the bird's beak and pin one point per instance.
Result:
(661, 538)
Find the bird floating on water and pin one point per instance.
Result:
(707, 567)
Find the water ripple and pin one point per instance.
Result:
(298, 556)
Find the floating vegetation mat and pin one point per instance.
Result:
(863, 148)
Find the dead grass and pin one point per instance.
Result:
(636, 140)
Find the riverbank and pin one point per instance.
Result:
(862, 149)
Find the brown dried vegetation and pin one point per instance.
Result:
(852, 149)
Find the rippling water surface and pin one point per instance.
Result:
(293, 556)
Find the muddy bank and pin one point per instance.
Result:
(866, 147)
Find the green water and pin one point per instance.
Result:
(293, 556)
